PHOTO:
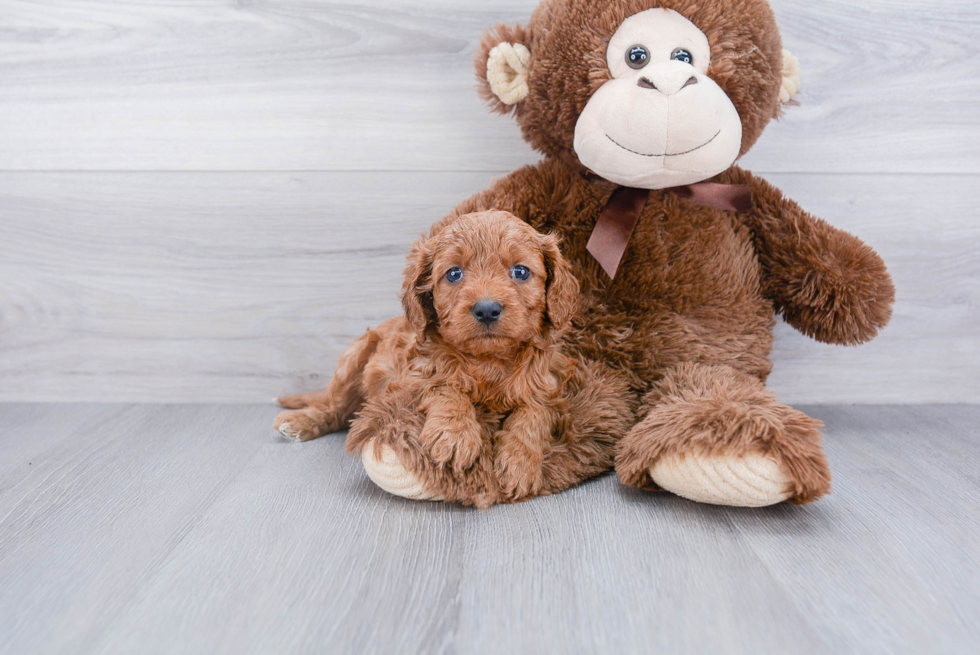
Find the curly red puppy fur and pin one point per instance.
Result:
(485, 300)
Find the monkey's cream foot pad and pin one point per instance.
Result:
(751, 481)
(389, 474)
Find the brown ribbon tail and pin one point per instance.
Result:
(613, 229)
(727, 197)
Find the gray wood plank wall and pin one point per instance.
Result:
(206, 201)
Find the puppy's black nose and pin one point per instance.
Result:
(487, 311)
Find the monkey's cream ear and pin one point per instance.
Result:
(507, 66)
(791, 77)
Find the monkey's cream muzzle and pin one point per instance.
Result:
(654, 139)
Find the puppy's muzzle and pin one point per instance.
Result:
(487, 311)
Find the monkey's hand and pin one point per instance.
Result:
(826, 283)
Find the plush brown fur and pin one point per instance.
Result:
(465, 401)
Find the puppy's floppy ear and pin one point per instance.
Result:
(502, 65)
(417, 286)
(562, 286)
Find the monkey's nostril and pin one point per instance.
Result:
(644, 83)
(691, 80)
(487, 311)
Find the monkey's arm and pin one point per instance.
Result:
(826, 283)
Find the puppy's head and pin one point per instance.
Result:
(487, 283)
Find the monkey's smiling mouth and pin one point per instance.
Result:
(671, 154)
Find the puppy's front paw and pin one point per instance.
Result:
(455, 443)
(520, 471)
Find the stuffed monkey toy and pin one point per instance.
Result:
(641, 109)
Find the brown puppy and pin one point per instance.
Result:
(485, 300)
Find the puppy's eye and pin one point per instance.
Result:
(454, 275)
(637, 57)
(680, 54)
(520, 272)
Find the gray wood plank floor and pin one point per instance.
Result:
(191, 528)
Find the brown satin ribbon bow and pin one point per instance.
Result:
(613, 229)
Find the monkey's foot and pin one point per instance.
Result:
(753, 480)
(389, 474)
(714, 435)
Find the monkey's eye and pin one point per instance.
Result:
(520, 272)
(454, 275)
(680, 54)
(637, 57)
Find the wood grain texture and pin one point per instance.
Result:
(316, 85)
(164, 529)
(124, 490)
(235, 287)
(201, 285)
